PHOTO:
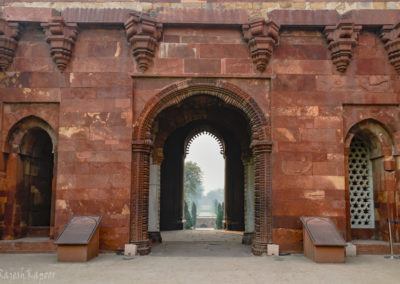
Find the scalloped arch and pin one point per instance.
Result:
(198, 131)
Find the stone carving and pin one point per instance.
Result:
(390, 35)
(143, 33)
(61, 36)
(342, 38)
(9, 35)
(261, 37)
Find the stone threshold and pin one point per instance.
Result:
(28, 245)
(375, 247)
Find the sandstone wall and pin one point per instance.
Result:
(95, 103)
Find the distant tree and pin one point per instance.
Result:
(217, 194)
(187, 216)
(215, 207)
(220, 215)
(193, 178)
(194, 214)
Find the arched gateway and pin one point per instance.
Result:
(210, 98)
(30, 149)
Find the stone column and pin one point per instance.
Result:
(248, 235)
(154, 203)
(263, 196)
(140, 195)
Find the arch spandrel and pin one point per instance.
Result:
(178, 92)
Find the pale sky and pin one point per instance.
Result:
(205, 151)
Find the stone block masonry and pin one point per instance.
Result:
(286, 85)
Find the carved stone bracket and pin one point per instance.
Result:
(342, 38)
(61, 36)
(261, 37)
(390, 35)
(143, 33)
(9, 35)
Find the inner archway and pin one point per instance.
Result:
(34, 196)
(29, 180)
(204, 182)
(227, 123)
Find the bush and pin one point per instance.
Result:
(194, 214)
(187, 216)
(220, 216)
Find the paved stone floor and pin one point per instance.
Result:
(197, 257)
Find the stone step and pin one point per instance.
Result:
(28, 245)
(37, 231)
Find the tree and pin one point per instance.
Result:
(193, 178)
(220, 215)
(217, 194)
(194, 215)
(187, 216)
(215, 207)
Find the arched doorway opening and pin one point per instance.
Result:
(233, 129)
(370, 191)
(204, 181)
(158, 150)
(29, 180)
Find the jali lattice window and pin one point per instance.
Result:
(361, 188)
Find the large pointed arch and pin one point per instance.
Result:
(19, 129)
(259, 126)
(30, 148)
(381, 145)
(378, 134)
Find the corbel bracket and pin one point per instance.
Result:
(261, 37)
(9, 36)
(390, 36)
(143, 33)
(342, 39)
(61, 36)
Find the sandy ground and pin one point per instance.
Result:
(193, 257)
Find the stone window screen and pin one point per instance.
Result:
(361, 187)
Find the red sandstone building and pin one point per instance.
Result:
(98, 105)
